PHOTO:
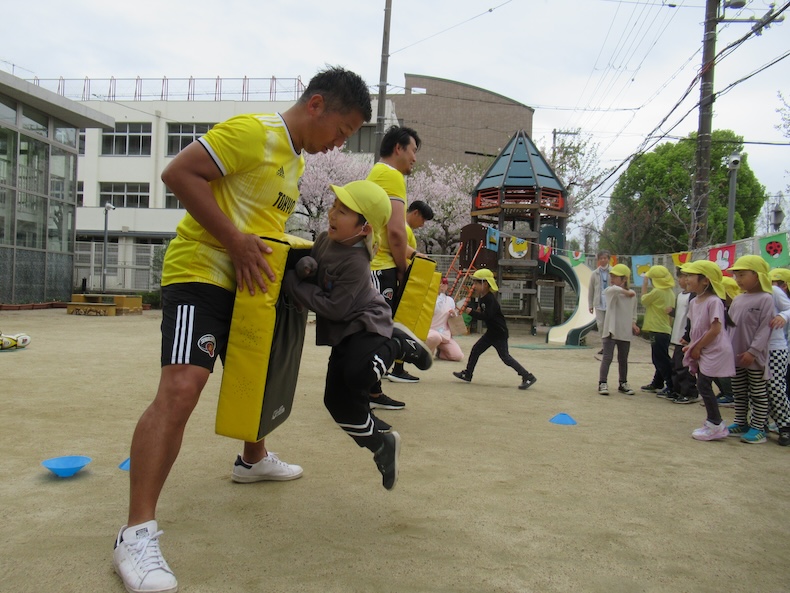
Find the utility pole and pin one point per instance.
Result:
(699, 203)
(382, 100)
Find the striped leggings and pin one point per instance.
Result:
(750, 391)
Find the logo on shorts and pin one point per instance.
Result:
(388, 293)
(208, 344)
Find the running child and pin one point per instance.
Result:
(355, 320)
(709, 352)
(619, 325)
(751, 312)
(487, 309)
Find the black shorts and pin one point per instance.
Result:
(386, 282)
(195, 323)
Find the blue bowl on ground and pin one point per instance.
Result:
(65, 467)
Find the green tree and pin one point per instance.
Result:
(650, 207)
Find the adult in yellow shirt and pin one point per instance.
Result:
(657, 302)
(397, 156)
(237, 182)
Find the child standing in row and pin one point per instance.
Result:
(618, 327)
(709, 351)
(354, 319)
(656, 302)
(684, 385)
(488, 310)
(778, 406)
(751, 312)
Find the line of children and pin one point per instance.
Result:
(487, 309)
(618, 326)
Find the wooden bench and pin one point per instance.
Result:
(108, 305)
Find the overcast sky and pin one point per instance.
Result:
(615, 68)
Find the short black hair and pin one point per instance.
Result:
(343, 91)
(424, 209)
(397, 135)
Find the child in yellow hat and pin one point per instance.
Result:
(355, 320)
(751, 312)
(487, 309)
(709, 351)
(657, 302)
(618, 326)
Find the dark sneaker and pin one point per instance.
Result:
(726, 401)
(738, 430)
(463, 375)
(665, 393)
(685, 399)
(527, 381)
(412, 349)
(402, 377)
(380, 425)
(625, 388)
(386, 459)
(650, 388)
(385, 402)
(784, 436)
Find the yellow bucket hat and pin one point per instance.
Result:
(621, 270)
(661, 277)
(488, 276)
(731, 287)
(780, 275)
(711, 271)
(756, 264)
(372, 202)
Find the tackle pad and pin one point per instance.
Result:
(261, 365)
(416, 298)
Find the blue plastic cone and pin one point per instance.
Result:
(125, 465)
(563, 418)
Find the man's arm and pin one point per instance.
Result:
(188, 176)
(396, 235)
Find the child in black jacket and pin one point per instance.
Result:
(489, 311)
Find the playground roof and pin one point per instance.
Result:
(520, 164)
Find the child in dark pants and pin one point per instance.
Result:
(487, 309)
(353, 318)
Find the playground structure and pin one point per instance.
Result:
(517, 206)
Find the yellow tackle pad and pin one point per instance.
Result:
(417, 299)
(264, 351)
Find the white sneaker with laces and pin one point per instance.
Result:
(270, 467)
(139, 561)
(603, 388)
(625, 388)
(711, 432)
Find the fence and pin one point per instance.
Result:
(130, 268)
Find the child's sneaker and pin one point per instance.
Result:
(463, 375)
(603, 389)
(665, 393)
(527, 381)
(711, 432)
(737, 430)
(726, 401)
(412, 349)
(784, 436)
(685, 399)
(139, 562)
(753, 436)
(625, 388)
(386, 459)
(650, 388)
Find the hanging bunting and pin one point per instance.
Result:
(518, 248)
(724, 257)
(639, 265)
(544, 253)
(774, 250)
(681, 258)
(492, 239)
(577, 257)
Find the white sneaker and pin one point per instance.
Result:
(270, 467)
(603, 388)
(711, 432)
(139, 561)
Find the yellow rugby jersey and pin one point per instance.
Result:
(394, 183)
(411, 240)
(258, 191)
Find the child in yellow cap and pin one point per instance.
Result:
(708, 354)
(618, 326)
(656, 303)
(487, 309)
(751, 312)
(354, 319)
(778, 405)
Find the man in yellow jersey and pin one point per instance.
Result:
(237, 182)
(397, 156)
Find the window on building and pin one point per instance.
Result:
(33, 164)
(179, 136)
(364, 140)
(31, 220)
(60, 227)
(128, 139)
(7, 110)
(7, 202)
(65, 134)
(81, 145)
(7, 156)
(80, 193)
(171, 201)
(125, 195)
(62, 174)
(35, 121)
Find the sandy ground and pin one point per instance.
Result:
(492, 497)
